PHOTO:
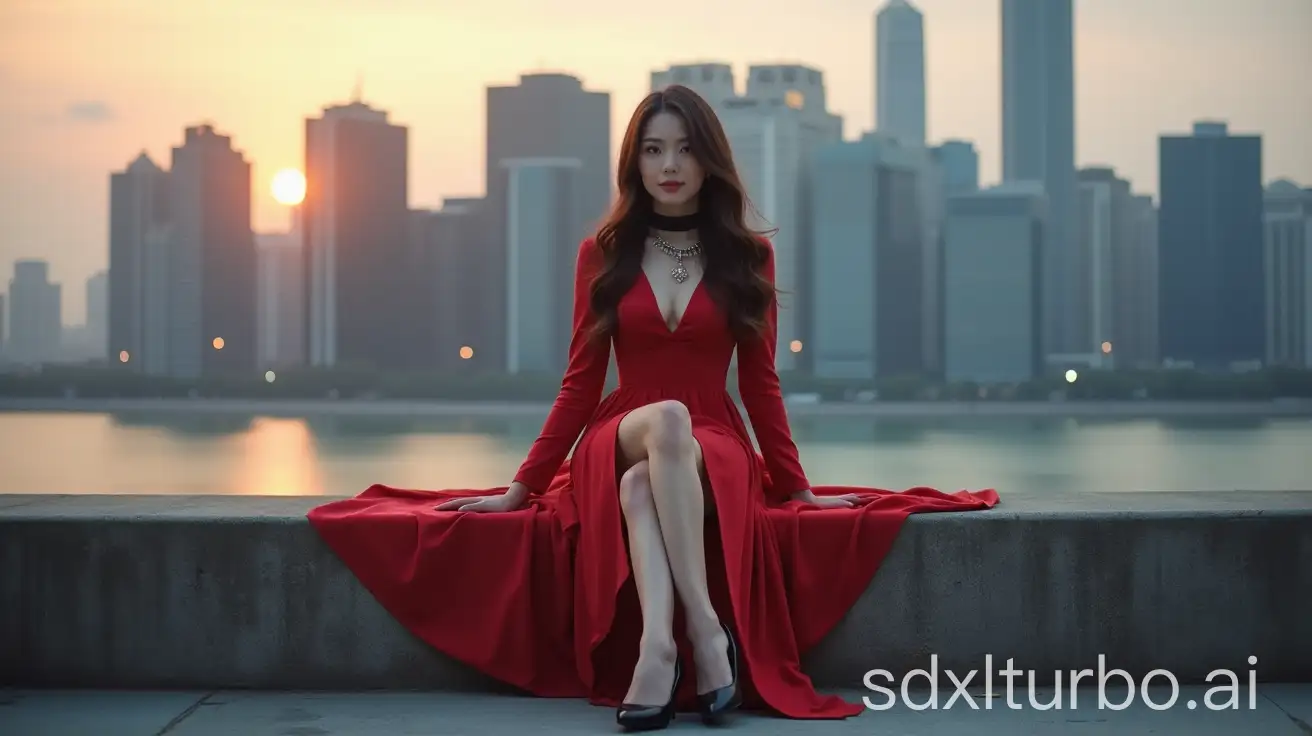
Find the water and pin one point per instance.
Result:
(200, 453)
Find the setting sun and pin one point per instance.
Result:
(289, 187)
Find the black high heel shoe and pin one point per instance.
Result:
(717, 704)
(634, 717)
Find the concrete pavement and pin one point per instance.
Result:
(1280, 710)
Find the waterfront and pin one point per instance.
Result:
(225, 448)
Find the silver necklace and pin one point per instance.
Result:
(679, 273)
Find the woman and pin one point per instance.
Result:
(565, 584)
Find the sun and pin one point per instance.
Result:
(289, 187)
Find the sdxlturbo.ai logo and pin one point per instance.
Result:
(1229, 688)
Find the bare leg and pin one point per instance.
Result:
(661, 433)
(654, 674)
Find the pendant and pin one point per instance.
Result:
(679, 273)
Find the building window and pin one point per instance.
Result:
(789, 75)
(765, 75)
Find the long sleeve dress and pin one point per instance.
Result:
(542, 598)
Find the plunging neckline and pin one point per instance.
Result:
(660, 313)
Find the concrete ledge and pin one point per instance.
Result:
(235, 592)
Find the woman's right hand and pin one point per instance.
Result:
(511, 500)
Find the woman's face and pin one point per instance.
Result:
(670, 173)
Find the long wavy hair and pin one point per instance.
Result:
(733, 252)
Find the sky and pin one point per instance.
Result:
(86, 85)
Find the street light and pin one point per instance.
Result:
(466, 352)
(795, 346)
(1071, 375)
(218, 343)
(123, 356)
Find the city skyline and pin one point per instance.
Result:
(79, 115)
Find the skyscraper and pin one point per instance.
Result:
(35, 319)
(138, 204)
(97, 321)
(280, 298)
(1106, 234)
(713, 80)
(868, 260)
(1135, 321)
(454, 242)
(359, 288)
(775, 128)
(1038, 144)
(1288, 243)
(900, 72)
(1212, 269)
(546, 115)
(993, 257)
(543, 221)
(959, 162)
(211, 259)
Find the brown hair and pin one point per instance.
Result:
(734, 253)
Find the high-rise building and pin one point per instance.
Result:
(546, 115)
(4, 327)
(35, 317)
(453, 241)
(138, 204)
(900, 106)
(543, 221)
(359, 286)
(775, 129)
(1038, 144)
(157, 252)
(1135, 283)
(1212, 272)
(993, 303)
(97, 320)
(212, 264)
(1093, 296)
(280, 297)
(1288, 245)
(868, 260)
(713, 80)
(959, 162)
(1117, 297)
(1106, 236)
(951, 168)
(768, 150)
(796, 87)
(552, 116)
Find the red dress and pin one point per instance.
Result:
(541, 598)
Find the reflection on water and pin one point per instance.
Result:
(277, 457)
(161, 452)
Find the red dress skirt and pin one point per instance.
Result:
(541, 598)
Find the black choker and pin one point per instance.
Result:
(674, 223)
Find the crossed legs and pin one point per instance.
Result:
(665, 504)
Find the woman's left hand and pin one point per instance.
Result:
(845, 501)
